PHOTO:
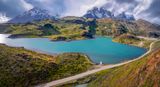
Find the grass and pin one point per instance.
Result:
(133, 40)
(156, 46)
(70, 31)
(24, 68)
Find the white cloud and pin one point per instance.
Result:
(80, 7)
(156, 20)
(26, 5)
(3, 18)
(142, 6)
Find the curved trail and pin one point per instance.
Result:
(81, 75)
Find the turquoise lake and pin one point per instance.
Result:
(98, 49)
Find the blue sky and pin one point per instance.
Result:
(145, 9)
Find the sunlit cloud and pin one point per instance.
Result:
(3, 18)
(146, 9)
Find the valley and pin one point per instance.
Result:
(96, 49)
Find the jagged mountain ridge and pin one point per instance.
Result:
(98, 13)
(34, 14)
(103, 13)
(124, 16)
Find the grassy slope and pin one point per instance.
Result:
(133, 40)
(67, 30)
(4, 28)
(23, 68)
(142, 73)
(72, 28)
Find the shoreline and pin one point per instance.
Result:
(84, 74)
(55, 54)
(89, 72)
(97, 36)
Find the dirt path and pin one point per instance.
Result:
(147, 38)
(75, 77)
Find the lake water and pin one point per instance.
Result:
(99, 49)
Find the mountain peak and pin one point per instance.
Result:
(32, 15)
(36, 9)
(98, 13)
(102, 12)
(124, 16)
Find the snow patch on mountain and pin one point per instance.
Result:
(101, 12)
(98, 13)
(32, 15)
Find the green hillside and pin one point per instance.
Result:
(77, 28)
(132, 40)
(24, 68)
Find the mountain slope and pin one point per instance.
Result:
(153, 30)
(124, 16)
(34, 14)
(111, 27)
(24, 68)
(98, 13)
(141, 73)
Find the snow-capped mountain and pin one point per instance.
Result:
(32, 15)
(98, 13)
(124, 16)
(103, 13)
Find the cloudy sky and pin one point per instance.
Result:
(145, 9)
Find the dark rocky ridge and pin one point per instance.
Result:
(103, 13)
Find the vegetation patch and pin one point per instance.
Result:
(24, 68)
(133, 40)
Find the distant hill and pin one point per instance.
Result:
(73, 19)
(113, 27)
(4, 28)
(152, 29)
(34, 14)
(76, 26)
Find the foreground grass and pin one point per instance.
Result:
(23, 68)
